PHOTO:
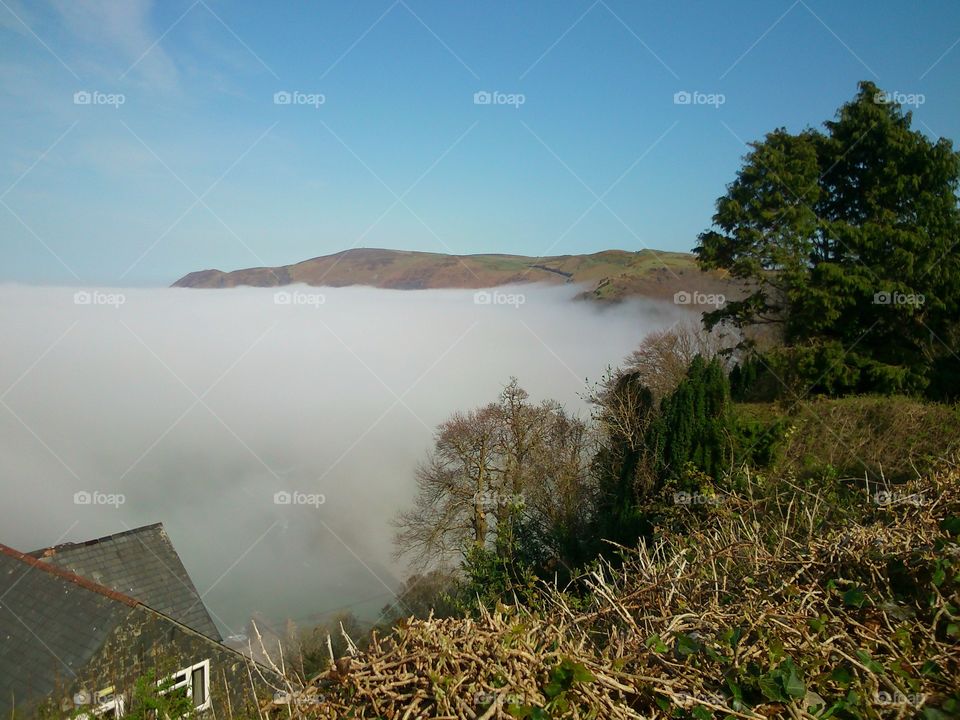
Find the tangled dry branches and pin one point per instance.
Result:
(765, 609)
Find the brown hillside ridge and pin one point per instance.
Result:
(609, 275)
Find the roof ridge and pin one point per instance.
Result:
(44, 551)
(69, 576)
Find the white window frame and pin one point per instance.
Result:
(187, 682)
(116, 704)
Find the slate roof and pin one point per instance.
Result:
(51, 623)
(142, 564)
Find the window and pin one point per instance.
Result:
(192, 682)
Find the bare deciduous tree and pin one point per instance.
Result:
(663, 356)
(453, 487)
(507, 456)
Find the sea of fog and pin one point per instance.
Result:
(209, 410)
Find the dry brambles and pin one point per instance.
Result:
(772, 604)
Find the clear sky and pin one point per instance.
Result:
(182, 160)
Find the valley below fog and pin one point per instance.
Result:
(274, 433)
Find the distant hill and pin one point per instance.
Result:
(608, 275)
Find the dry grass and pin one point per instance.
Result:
(762, 609)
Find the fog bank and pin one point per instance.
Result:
(196, 407)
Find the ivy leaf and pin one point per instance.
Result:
(656, 644)
(686, 646)
(951, 525)
(581, 674)
(735, 690)
(842, 676)
(871, 664)
(519, 711)
(854, 597)
(793, 684)
(552, 689)
(770, 687)
(939, 574)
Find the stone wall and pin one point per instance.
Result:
(147, 641)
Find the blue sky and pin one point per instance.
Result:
(199, 167)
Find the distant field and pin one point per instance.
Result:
(609, 275)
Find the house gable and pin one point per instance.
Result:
(143, 564)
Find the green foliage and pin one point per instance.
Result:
(694, 425)
(561, 679)
(153, 700)
(846, 238)
(621, 463)
(684, 446)
(501, 574)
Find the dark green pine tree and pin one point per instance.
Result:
(849, 240)
(694, 425)
(618, 465)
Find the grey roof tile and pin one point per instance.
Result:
(50, 624)
(143, 564)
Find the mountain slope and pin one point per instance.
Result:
(608, 275)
